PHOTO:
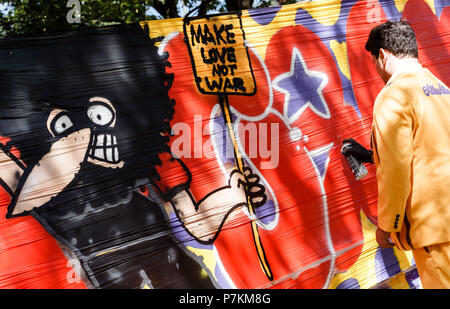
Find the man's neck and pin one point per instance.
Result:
(398, 65)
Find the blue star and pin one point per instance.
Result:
(302, 89)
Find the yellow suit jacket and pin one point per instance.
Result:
(411, 149)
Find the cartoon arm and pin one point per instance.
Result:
(205, 218)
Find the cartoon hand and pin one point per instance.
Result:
(255, 190)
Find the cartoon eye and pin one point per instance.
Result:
(62, 124)
(100, 114)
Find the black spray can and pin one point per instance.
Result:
(358, 168)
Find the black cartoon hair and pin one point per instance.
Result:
(63, 70)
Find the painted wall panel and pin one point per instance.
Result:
(200, 153)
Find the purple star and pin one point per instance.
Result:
(302, 89)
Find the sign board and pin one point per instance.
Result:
(219, 56)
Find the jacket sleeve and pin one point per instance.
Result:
(392, 139)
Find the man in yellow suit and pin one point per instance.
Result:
(411, 151)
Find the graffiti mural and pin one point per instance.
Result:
(200, 152)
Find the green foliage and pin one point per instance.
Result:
(35, 16)
(38, 16)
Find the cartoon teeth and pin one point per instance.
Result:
(104, 148)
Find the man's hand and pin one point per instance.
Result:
(383, 239)
(358, 151)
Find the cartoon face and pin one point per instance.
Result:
(101, 118)
(81, 135)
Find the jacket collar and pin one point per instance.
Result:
(411, 68)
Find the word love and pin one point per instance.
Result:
(227, 55)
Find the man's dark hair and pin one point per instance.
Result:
(396, 37)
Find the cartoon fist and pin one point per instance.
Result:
(251, 183)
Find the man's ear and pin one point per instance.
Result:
(383, 55)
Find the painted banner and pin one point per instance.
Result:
(201, 152)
